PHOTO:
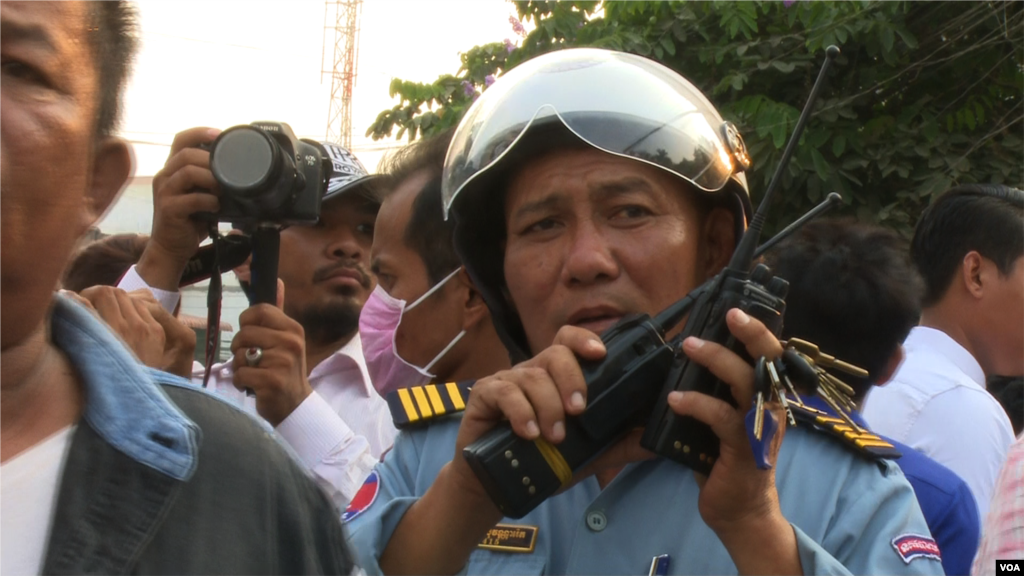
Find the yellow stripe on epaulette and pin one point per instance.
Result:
(422, 404)
(859, 440)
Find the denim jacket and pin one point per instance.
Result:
(162, 477)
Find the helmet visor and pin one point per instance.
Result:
(620, 103)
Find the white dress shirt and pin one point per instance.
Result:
(339, 432)
(131, 281)
(937, 403)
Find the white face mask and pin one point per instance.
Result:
(378, 326)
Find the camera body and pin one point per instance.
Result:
(268, 176)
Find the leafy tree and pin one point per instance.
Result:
(924, 96)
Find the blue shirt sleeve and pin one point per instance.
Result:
(872, 517)
(958, 531)
(403, 477)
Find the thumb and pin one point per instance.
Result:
(280, 293)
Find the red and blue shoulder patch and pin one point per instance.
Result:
(364, 497)
(911, 546)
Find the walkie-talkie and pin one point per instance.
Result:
(638, 371)
(519, 474)
(759, 294)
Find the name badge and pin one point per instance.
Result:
(510, 538)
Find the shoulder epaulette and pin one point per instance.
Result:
(418, 405)
(859, 439)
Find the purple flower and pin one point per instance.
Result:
(509, 46)
(488, 80)
(788, 3)
(517, 26)
(467, 88)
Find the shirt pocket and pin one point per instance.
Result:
(490, 562)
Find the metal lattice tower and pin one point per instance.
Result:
(345, 62)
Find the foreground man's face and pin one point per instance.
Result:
(48, 108)
(592, 237)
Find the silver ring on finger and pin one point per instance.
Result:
(253, 355)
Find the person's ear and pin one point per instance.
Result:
(474, 309)
(891, 366)
(112, 166)
(719, 241)
(971, 269)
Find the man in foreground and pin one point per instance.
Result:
(108, 467)
(587, 185)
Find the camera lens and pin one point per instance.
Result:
(244, 159)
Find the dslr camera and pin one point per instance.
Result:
(267, 176)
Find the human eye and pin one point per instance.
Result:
(631, 212)
(539, 226)
(23, 72)
(365, 229)
(386, 281)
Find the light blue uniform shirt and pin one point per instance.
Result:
(846, 512)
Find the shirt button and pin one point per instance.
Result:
(597, 521)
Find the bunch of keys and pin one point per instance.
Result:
(805, 364)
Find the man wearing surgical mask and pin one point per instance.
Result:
(425, 321)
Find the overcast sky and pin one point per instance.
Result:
(226, 62)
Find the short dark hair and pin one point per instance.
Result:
(1009, 391)
(428, 233)
(113, 39)
(987, 218)
(103, 262)
(852, 291)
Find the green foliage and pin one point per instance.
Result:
(924, 96)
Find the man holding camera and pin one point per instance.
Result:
(109, 467)
(587, 185)
(302, 360)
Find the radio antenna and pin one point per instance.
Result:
(833, 199)
(744, 253)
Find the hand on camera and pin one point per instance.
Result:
(176, 235)
(158, 339)
(278, 379)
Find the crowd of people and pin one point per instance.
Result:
(481, 264)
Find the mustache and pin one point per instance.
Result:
(327, 271)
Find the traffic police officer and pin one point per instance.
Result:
(586, 185)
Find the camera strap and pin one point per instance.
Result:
(213, 304)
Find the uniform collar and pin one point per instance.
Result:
(348, 355)
(123, 402)
(923, 339)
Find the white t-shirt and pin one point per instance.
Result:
(937, 404)
(28, 495)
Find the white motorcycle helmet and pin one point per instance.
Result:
(618, 103)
